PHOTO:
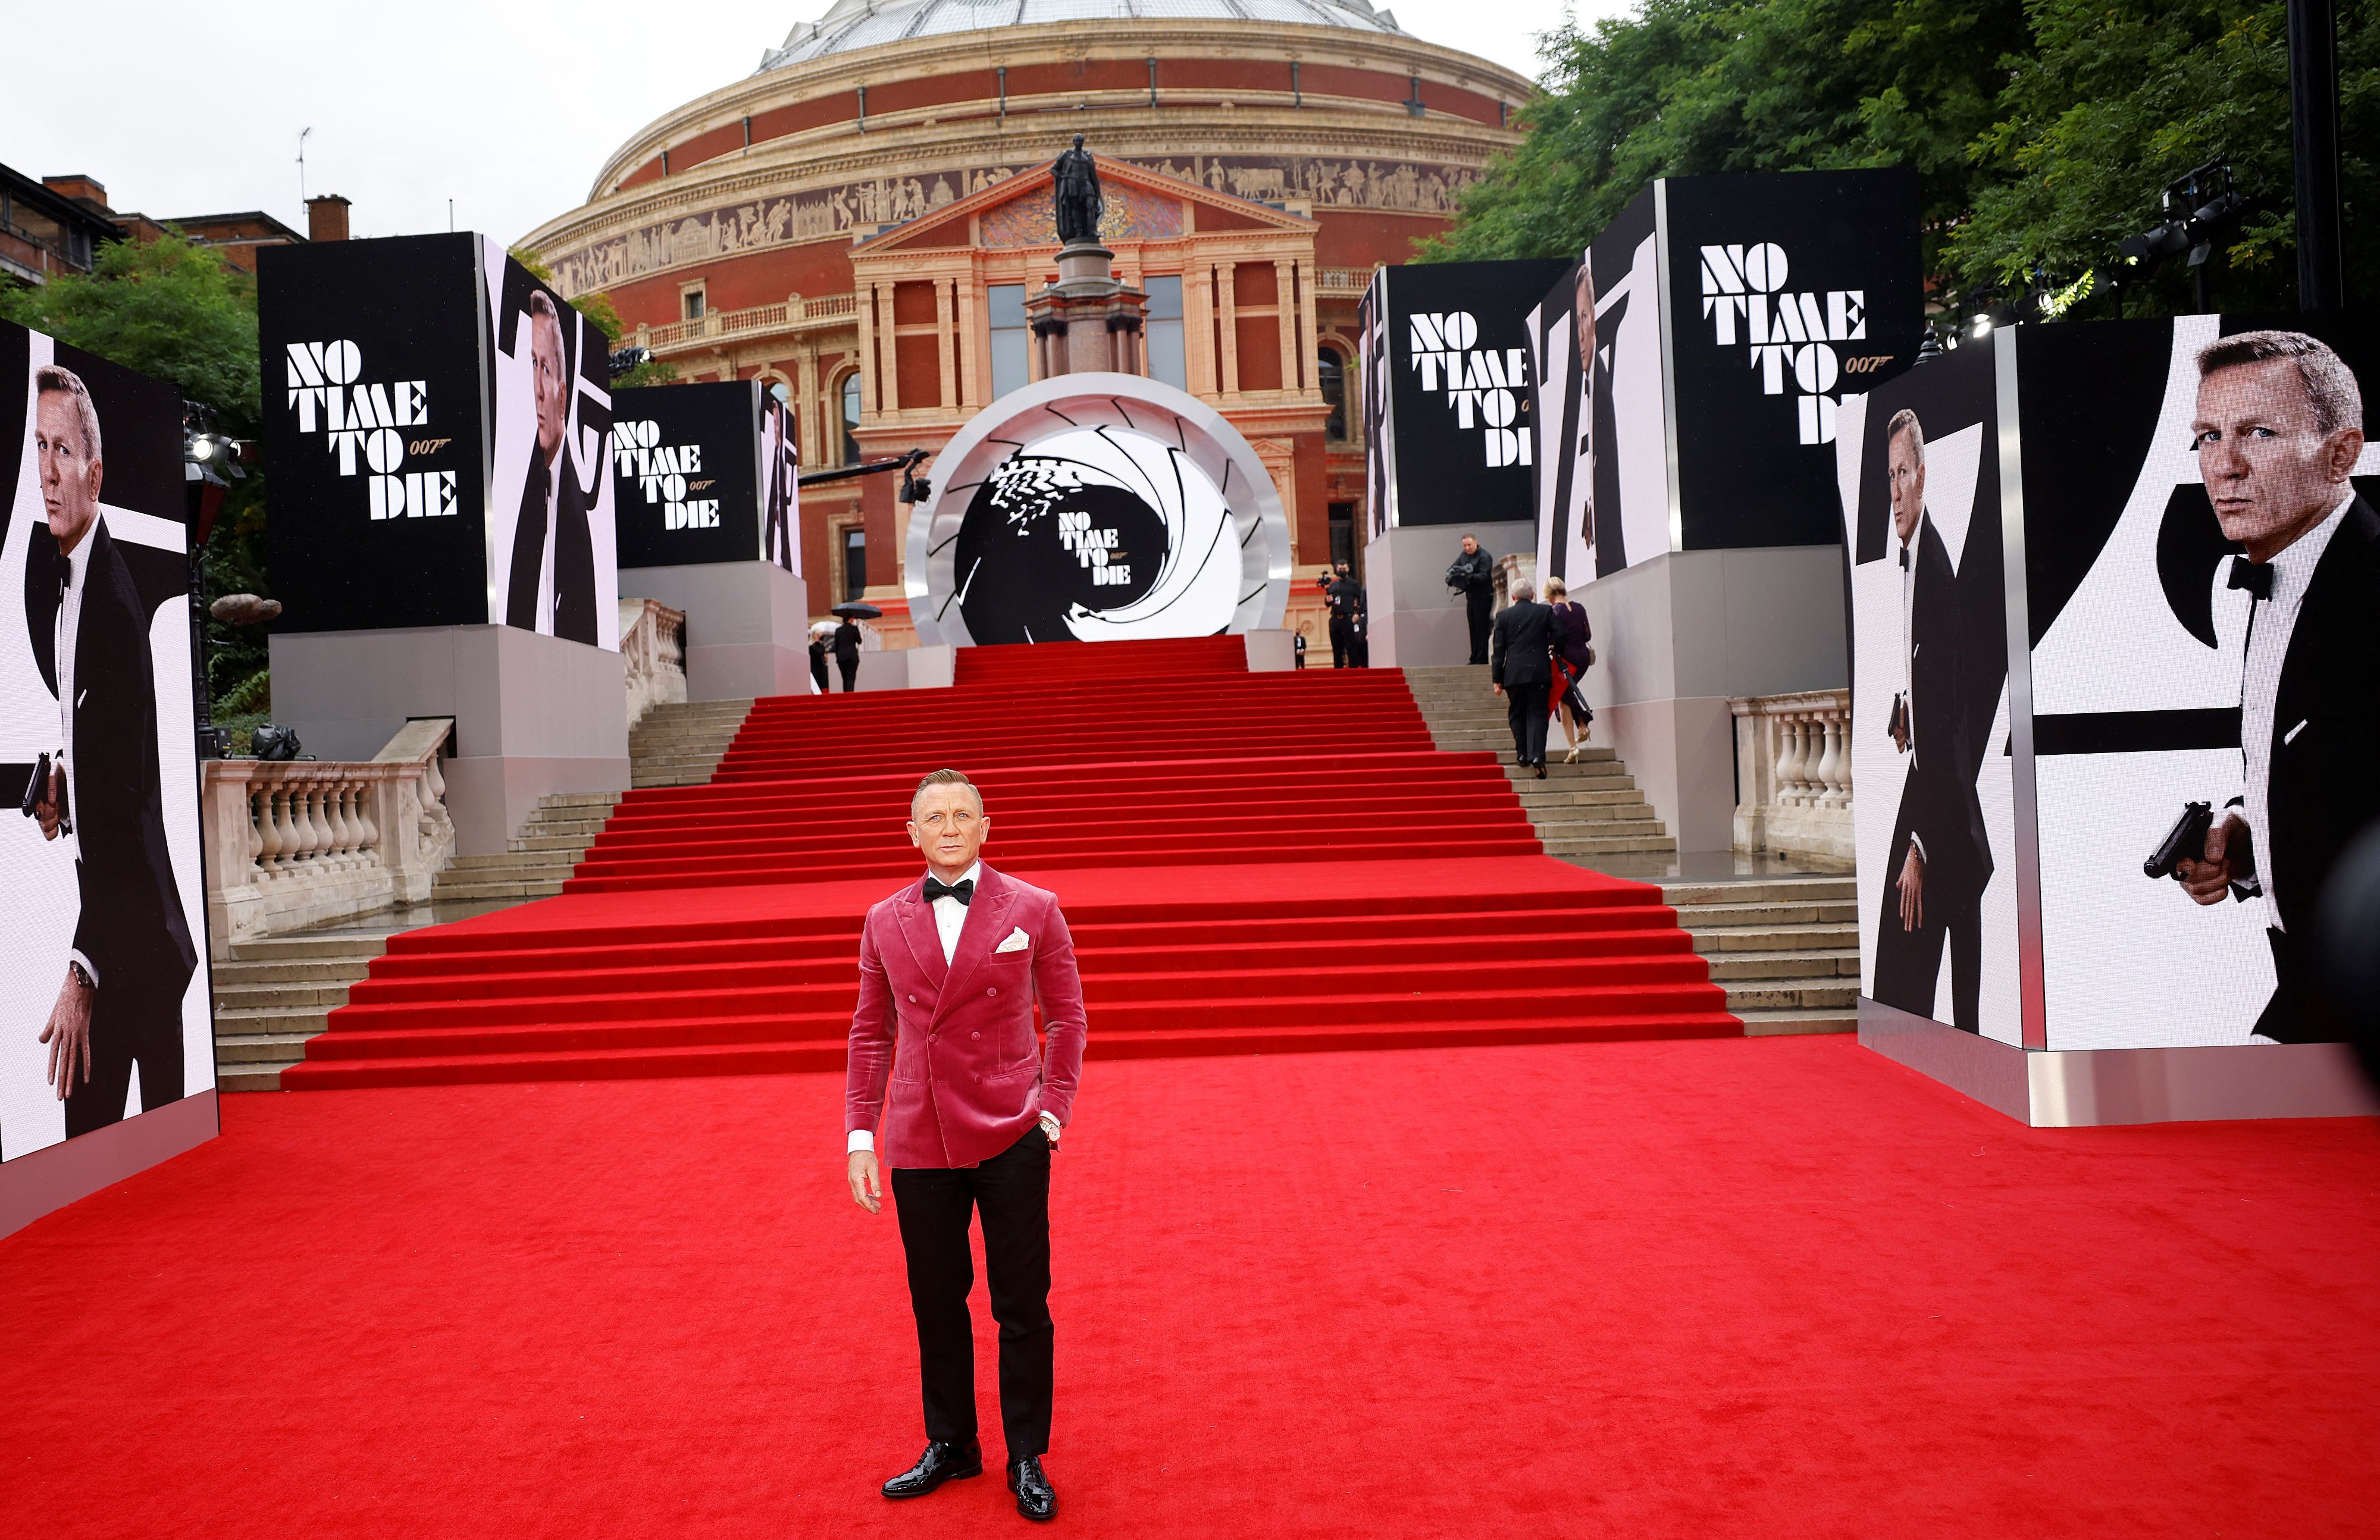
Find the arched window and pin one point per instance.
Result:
(851, 418)
(1333, 375)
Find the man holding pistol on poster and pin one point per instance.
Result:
(2278, 430)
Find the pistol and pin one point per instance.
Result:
(37, 787)
(2186, 841)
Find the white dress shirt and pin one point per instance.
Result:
(69, 629)
(2270, 624)
(949, 918)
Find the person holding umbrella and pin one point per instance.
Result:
(846, 641)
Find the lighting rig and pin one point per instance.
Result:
(2198, 206)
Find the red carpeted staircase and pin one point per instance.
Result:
(1249, 863)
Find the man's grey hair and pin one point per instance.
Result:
(66, 383)
(1905, 421)
(1523, 591)
(945, 778)
(2330, 387)
(541, 306)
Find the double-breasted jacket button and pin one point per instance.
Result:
(975, 1034)
(991, 992)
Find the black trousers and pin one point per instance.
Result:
(2303, 1009)
(1342, 643)
(818, 672)
(1012, 1191)
(1478, 601)
(1526, 712)
(128, 1027)
(1909, 963)
(850, 667)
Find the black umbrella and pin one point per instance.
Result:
(857, 610)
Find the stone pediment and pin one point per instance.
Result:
(1140, 205)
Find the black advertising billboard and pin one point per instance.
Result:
(703, 473)
(2194, 675)
(1458, 388)
(1785, 291)
(101, 929)
(437, 430)
(1729, 316)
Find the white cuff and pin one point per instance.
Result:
(75, 954)
(1918, 845)
(1051, 1126)
(858, 1139)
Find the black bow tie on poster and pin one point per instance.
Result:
(66, 574)
(1905, 558)
(963, 891)
(2254, 577)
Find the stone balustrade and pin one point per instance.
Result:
(652, 655)
(297, 842)
(1793, 775)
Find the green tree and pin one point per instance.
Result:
(2113, 98)
(1696, 87)
(178, 313)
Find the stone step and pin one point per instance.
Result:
(1774, 937)
(304, 1020)
(1606, 846)
(497, 888)
(325, 994)
(497, 863)
(300, 946)
(1724, 891)
(578, 799)
(1840, 914)
(1601, 829)
(1808, 962)
(301, 970)
(1777, 1022)
(1806, 994)
(572, 846)
(257, 1050)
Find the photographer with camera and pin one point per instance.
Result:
(1472, 576)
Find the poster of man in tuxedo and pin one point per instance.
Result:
(553, 563)
(781, 496)
(2202, 574)
(1933, 820)
(99, 929)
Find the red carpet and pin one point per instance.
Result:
(1769, 1288)
(1274, 862)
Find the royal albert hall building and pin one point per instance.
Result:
(861, 219)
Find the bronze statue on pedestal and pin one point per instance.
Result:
(1076, 189)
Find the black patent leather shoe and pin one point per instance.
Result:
(1034, 1498)
(941, 1463)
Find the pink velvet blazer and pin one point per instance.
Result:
(945, 1069)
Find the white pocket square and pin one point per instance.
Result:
(1017, 942)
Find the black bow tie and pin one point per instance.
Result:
(1905, 558)
(2254, 577)
(963, 890)
(66, 574)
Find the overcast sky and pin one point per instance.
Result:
(507, 109)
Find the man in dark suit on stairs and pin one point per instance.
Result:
(1941, 857)
(1520, 667)
(2278, 430)
(131, 959)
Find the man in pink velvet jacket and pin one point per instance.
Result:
(948, 1085)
